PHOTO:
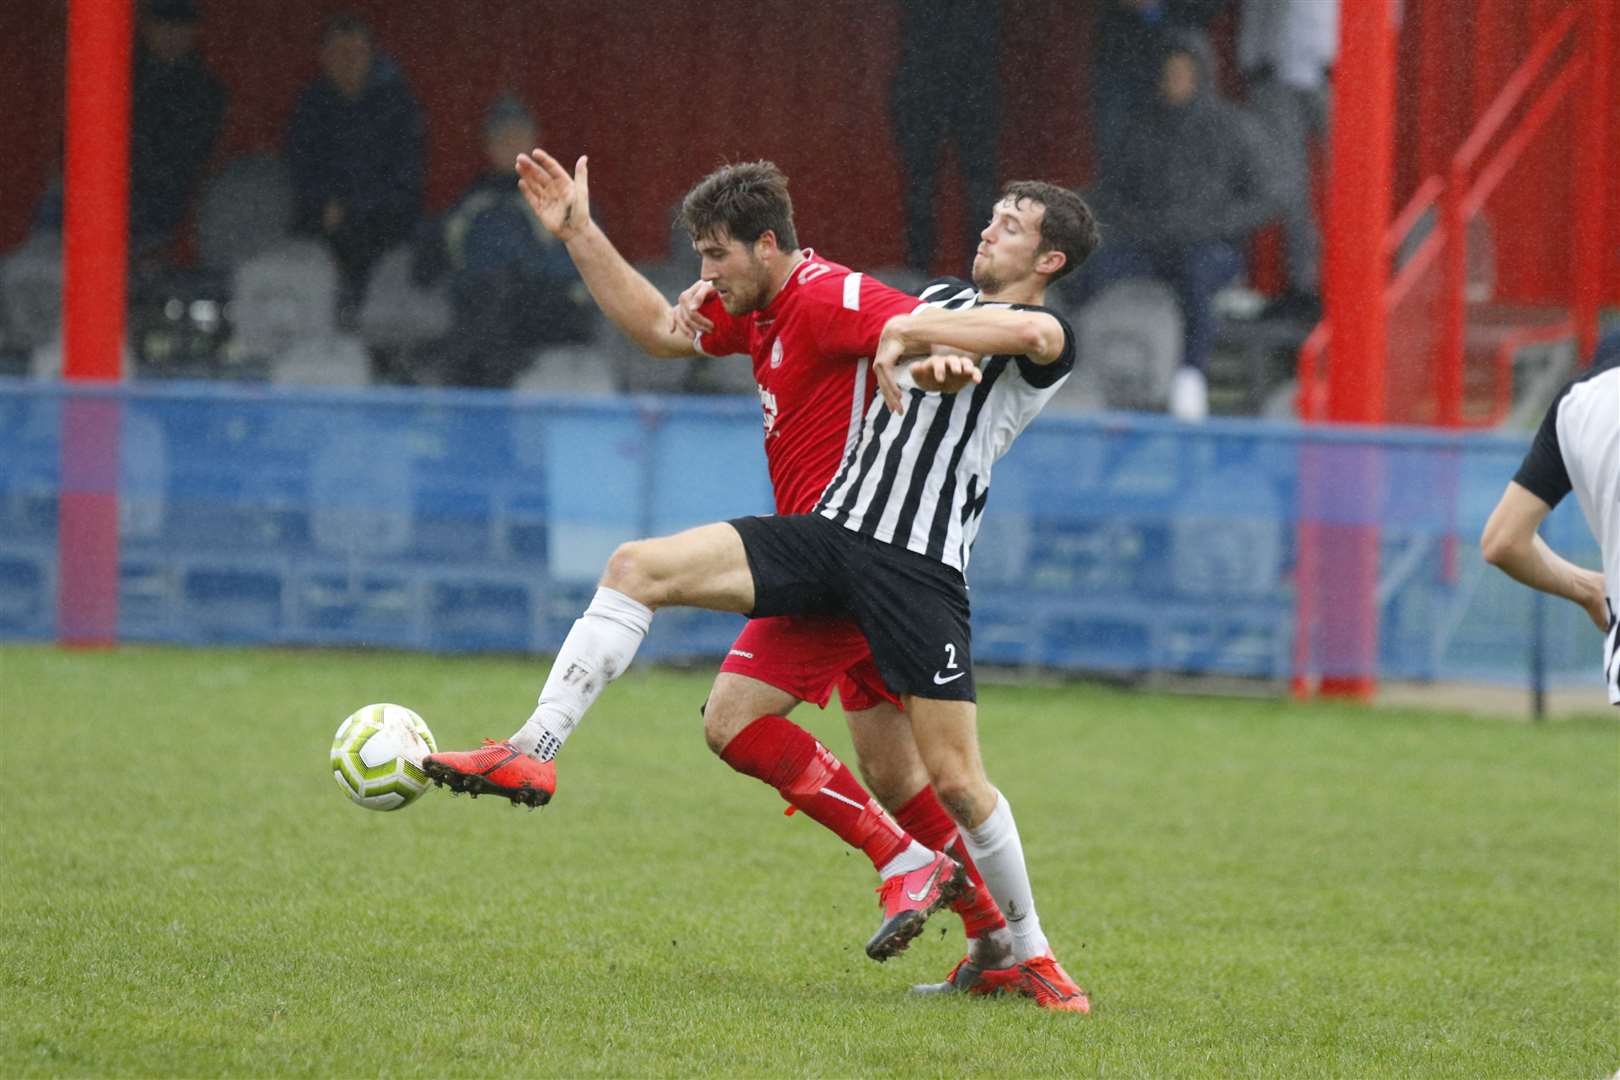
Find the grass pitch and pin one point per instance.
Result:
(1248, 888)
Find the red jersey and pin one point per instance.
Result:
(812, 347)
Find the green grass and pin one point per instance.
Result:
(1247, 888)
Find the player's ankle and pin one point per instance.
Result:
(914, 857)
(979, 921)
(992, 949)
(536, 739)
(1028, 943)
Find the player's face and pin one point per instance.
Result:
(1007, 246)
(736, 271)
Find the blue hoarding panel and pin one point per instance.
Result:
(463, 521)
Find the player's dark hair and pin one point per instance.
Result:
(744, 200)
(1068, 225)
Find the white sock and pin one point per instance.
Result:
(914, 857)
(999, 853)
(600, 646)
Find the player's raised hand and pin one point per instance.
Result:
(946, 371)
(561, 202)
(685, 319)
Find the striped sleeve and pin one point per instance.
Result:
(944, 288)
(1041, 376)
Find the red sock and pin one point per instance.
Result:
(808, 775)
(924, 818)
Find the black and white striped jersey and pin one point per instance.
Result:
(920, 480)
(1578, 449)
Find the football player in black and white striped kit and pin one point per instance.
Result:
(1576, 449)
(919, 475)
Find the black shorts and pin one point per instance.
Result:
(912, 609)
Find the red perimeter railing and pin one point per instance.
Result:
(1462, 197)
(1473, 174)
(1312, 401)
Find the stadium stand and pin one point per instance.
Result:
(336, 360)
(31, 292)
(282, 296)
(396, 312)
(570, 369)
(243, 211)
(1129, 339)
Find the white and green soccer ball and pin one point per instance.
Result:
(377, 756)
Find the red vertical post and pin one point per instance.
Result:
(1308, 543)
(1358, 212)
(1448, 367)
(1357, 272)
(1593, 174)
(1437, 91)
(96, 228)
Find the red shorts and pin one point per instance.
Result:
(809, 656)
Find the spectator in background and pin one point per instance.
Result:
(947, 90)
(1188, 188)
(1286, 49)
(356, 151)
(513, 287)
(177, 108)
(1130, 40)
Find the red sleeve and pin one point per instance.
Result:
(730, 334)
(852, 310)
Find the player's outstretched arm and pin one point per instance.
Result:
(945, 371)
(981, 331)
(1511, 543)
(970, 331)
(563, 205)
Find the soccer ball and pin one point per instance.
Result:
(377, 756)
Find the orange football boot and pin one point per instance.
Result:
(1043, 979)
(499, 768)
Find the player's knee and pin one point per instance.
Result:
(723, 720)
(631, 570)
(892, 785)
(965, 793)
